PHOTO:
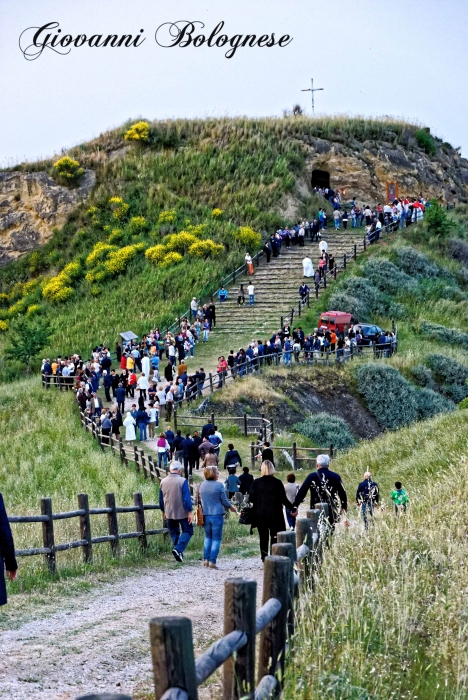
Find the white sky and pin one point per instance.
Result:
(403, 58)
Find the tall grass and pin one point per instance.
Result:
(387, 616)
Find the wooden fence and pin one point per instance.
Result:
(248, 425)
(47, 518)
(292, 567)
(298, 454)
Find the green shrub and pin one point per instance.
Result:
(249, 238)
(430, 403)
(463, 404)
(415, 263)
(340, 301)
(426, 141)
(448, 370)
(68, 171)
(437, 220)
(387, 276)
(364, 290)
(325, 429)
(422, 375)
(455, 392)
(389, 396)
(446, 335)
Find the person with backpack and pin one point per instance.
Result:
(176, 505)
(400, 498)
(367, 497)
(325, 486)
(233, 483)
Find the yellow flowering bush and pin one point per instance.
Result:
(3, 326)
(180, 242)
(196, 230)
(68, 170)
(118, 260)
(156, 253)
(91, 211)
(58, 288)
(4, 298)
(16, 291)
(248, 237)
(72, 270)
(167, 217)
(205, 249)
(171, 259)
(97, 275)
(116, 235)
(216, 213)
(99, 253)
(33, 310)
(18, 308)
(138, 132)
(119, 207)
(137, 225)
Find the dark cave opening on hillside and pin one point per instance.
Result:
(320, 178)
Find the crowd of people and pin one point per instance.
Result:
(266, 500)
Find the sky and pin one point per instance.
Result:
(405, 58)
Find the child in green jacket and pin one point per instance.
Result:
(399, 498)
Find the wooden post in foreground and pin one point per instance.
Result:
(285, 549)
(240, 596)
(113, 524)
(273, 637)
(48, 539)
(85, 528)
(172, 655)
(140, 521)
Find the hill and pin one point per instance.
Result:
(219, 180)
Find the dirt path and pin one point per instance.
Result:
(99, 640)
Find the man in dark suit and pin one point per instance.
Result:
(325, 487)
(7, 552)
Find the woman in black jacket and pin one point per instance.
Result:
(268, 497)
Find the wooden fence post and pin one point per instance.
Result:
(334, 272)
(152, 470)
(344, 261)
(364, 241)
(273, 637)
(245, 424)
(211, 382)
(172, 655)
(272, 432)
(48, 539)
(285, 549)
(252, 455)
(331, 450)
(113, 524)
(294, 451)
(289, 537)
(143, 464)
(140, 521)
(212, 418)
(264, 435)
(135, 458)
(175, 419)
(85, 528)
(304, 536)
(240, 596)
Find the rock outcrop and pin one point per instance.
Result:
(31, 206)
(364, 169)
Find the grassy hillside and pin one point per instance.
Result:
(387, 616)
(206, 178)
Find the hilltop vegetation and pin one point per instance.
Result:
(217, 183)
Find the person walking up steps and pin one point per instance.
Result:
(248, 262)
(176, 505)
(241, 296)
(251, 293)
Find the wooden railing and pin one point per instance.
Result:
(298, 454)
(248, 425)
(47, 518)
(291, 569)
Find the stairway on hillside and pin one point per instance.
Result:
(277, 287)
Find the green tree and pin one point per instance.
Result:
(28, 336)
(438, 223)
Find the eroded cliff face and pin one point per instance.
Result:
(31, 206)
(363, 170)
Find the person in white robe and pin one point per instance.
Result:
(145, 366)
(323, 245)
(308, 267)
(129, 424)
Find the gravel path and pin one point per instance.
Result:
(99, 641)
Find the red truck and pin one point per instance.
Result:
(336, 321)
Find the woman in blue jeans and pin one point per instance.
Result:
(214, 502)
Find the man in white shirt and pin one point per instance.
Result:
(193, 307)
(251, 293)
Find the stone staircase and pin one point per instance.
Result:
(277, 287)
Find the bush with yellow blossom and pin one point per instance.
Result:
(156, 253)
(3, 326)
(137, 225)
(205, 249)
(171, 259)
(248, 237)
(138, 132)
(68, 170)
(33, 310)
(216, 213)
(118, 260)
(180, 242)
(119, 207)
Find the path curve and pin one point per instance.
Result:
(99, 640)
